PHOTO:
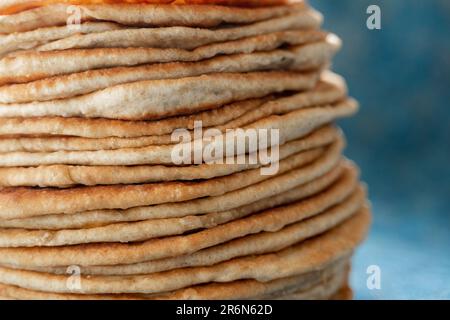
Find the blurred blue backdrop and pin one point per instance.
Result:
(400, 139)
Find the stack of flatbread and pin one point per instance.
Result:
(92, 205)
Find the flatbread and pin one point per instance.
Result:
(259, 243)
(323, 291)
(33, 19)
(329, 90)
(30, 66)
(295, 260)
(262, 109)
(197, 16)
(32, 39)
(290, 126)
(149, 229)
(139, 15)
(308, 56)
(135, 253)
(241, 289)
(139, 226)
(28, 202)
(153, 99)
(183, 37)
(102, 255)
(65, 176)
(287, 186)
(104, 128)
(251, 289)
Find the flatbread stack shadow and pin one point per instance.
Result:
(92, 205)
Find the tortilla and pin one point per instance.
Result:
(287, 186)
(323, 291)
(112, 254)
(259, 243)
(330, 89)
(290, 126)
(295, 260)
(262, 109)
(236, 114)
(241, 289)
(30, 66)
(183, 37)
(140, 15)
(149, 229)
(304, 57)
(32, 39)
(65, 176)
(153, 99)
(28, 202)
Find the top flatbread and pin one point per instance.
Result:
(139, 15)
(314, 50)
(30, 66)
(183, 37)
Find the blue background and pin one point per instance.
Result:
(401, 76)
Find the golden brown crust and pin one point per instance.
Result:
(157, 98)
(291, 126)
(87, 172)
(246, 114)
(182, 37)
(27, 202)
(35, 65)
(49, 201)
(108, 254)
(259, 243)
(128, 14)
(241, 289)
(304, 57)
(239, 113)
(150, 229)
(305, 257)
(282, 187)
(65, 176)
(29, 40)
